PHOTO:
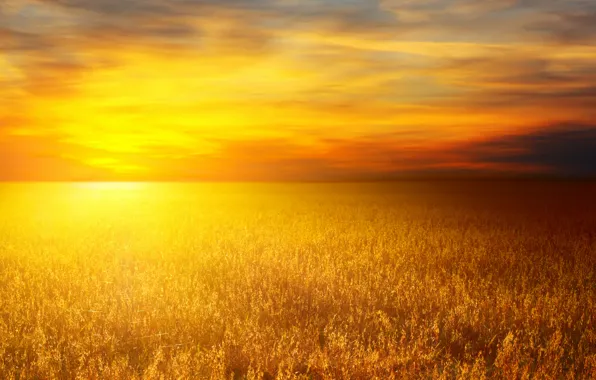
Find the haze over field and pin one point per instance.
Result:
(282, 89)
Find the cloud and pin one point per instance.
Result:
(293, 89)
(26, 158)
(561, 150)
(568, 25)
(17, 41)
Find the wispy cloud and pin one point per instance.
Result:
(292, 89)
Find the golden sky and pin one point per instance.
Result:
(295, 89)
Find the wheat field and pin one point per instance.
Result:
(298, 281)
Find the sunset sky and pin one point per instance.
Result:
(296, 89)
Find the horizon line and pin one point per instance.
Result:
(330, 181)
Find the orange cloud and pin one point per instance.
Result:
(233, 89)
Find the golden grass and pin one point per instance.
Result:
(297, 282)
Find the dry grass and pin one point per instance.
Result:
(298, 282)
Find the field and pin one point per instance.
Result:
(298, 281)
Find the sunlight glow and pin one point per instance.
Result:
(112, 186)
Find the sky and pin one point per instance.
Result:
(296, 89)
